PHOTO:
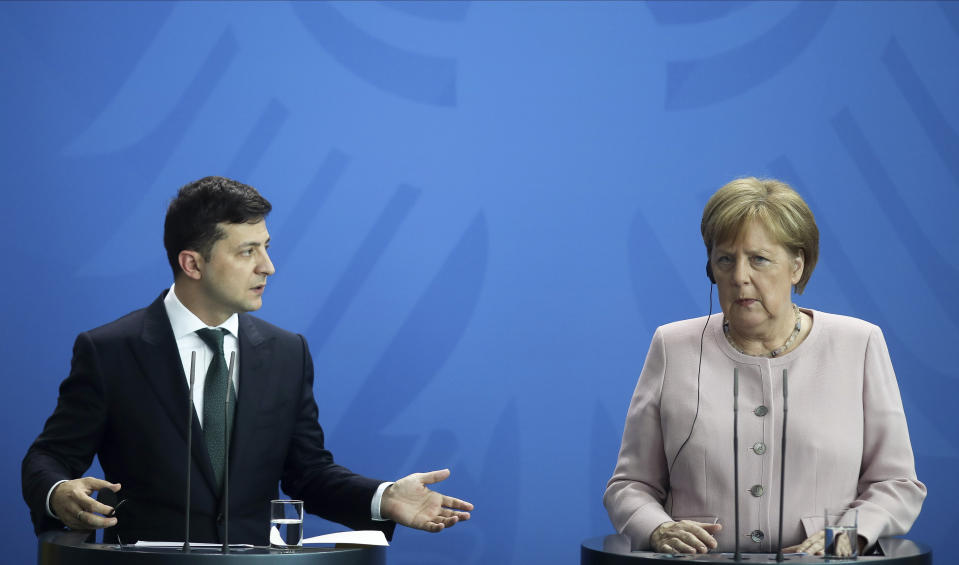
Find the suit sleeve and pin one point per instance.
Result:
(636, 492)
(66, 446)
(890, 495)
(328, 490)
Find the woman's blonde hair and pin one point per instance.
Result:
(776, 205)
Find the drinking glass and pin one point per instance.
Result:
(842, 540)
(286, 524)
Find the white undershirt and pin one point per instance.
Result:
(185, 324)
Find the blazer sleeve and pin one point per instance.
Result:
(890, 495)
(636, 492)
(65, 448)
(328, 490)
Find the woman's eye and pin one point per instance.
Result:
(723, 259)
(760, 259)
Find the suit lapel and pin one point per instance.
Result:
(255, 352)
(159, 360)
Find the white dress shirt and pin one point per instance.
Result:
(185, 324)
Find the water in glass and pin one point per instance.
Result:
(290, 530)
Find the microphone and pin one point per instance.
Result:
(737, 554)
(226, 458)
(782, 472)
(189, 451)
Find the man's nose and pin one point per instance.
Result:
(265, 266)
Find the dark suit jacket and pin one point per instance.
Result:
(126, 400)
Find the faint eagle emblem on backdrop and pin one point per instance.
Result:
(743, 61)
(420, 77)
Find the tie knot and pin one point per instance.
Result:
(213, 337)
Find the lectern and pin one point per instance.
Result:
(615, 550)
(70, 548)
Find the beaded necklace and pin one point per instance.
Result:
(775, 352)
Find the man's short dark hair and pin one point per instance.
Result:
(192, 218)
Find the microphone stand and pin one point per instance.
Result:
(782, 472)
(226, 458)
(737, 556)
(189, 451)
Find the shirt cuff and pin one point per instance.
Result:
(49, 493)
(377, 501)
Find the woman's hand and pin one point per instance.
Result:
(813, 545)
(685, 536)
(816, 545)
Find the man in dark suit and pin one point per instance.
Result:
(127, 400)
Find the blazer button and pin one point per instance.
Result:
(219, 518)
(757, 490)
(757, 535)
(759, 448)
(761, 411)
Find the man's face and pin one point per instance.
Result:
(234, 277)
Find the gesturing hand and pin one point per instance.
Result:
(685, 536)
(409, 502)
(72, 504)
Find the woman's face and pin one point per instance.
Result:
(754, 275)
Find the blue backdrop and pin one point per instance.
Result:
(481, 213)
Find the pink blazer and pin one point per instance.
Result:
(847, 442)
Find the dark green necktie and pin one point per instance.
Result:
(216, 419)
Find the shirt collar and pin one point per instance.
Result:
(184, 322)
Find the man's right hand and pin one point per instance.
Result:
(72, 504)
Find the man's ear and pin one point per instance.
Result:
(191, 263)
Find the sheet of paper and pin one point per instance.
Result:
(359, 537)
(168, 544)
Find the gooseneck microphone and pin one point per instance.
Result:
(782, 472)
(226, 458)
(189, 451)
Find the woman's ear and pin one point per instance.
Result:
(799, 263)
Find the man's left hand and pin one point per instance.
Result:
(409, 502)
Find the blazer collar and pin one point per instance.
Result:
(254, 388)
(159, 359)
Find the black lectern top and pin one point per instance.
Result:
(70, 548)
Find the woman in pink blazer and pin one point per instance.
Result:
(672, 488)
